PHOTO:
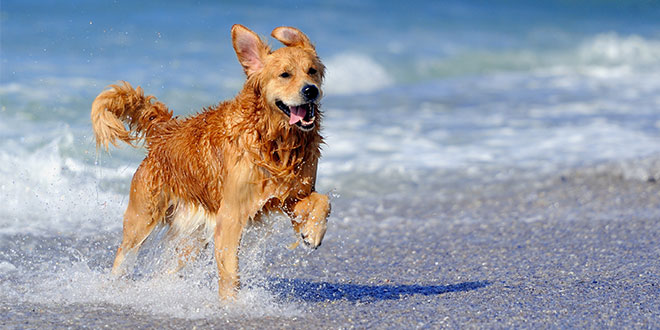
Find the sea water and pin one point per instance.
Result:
(421, 99)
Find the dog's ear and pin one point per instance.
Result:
(292, 37)
(251, 51)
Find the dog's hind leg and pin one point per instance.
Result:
(144, 212)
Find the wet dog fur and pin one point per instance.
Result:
(209, 175)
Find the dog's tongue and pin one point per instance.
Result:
(297, 114)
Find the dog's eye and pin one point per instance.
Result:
(311, 71)
(285, 75)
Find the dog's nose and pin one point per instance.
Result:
(310, 92)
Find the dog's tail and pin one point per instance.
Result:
(121, 104)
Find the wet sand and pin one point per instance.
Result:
(575, 249)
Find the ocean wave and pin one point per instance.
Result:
(491, 145)
(601, 54)
(613, 49)
(354, 73)
(45, 190)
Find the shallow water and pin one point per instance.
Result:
(452, 130)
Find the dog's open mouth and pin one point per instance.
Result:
(302, 115)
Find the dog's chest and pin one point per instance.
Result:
(193, 221)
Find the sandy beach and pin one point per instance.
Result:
(578, 249)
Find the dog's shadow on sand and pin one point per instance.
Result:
(323, 291)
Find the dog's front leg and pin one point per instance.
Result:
(227, 238)
(310, 218)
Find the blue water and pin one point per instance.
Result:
(418, 95)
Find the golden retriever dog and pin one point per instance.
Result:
(209, 175)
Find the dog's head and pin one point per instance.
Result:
(289, 78)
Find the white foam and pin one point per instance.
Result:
(6, 267)
(611, 48)
(526, 142)
(44, 191)
(353, 73)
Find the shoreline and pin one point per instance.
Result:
(577, 249)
